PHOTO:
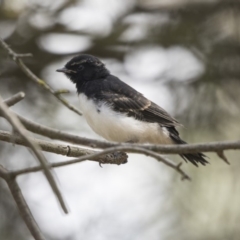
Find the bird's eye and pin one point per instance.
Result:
(80, 68)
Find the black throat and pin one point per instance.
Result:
(86, 77)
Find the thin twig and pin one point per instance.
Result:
(97, 156)
(63, 149)
(22, 55)
(14, 99)
(21, 203)
(17, 58)
(24, 210)
(17, 125)
(61, 91)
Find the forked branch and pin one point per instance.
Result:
(17, 58)
(17, 126)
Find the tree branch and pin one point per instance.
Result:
(24, 209)
(117, 157)
(14, 99)
(17, 58)
(17, 125)
(3, 172)
(165, 149)
(66, 150)
(98, 156)
(21, 203)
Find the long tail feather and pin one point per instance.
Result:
(194, 158)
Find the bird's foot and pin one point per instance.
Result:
(114, 158)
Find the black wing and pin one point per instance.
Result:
(123, 98)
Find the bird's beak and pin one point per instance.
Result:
(64, 70)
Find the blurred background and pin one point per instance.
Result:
(182, 54)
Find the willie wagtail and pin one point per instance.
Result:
(117, 111)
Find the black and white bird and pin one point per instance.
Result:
(118, 112)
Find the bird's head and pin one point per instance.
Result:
(84, 68)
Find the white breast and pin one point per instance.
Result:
(119, 127)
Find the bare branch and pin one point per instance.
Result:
(17, 58)
(21, 203)
(21, 55)
(3, 172)
(17, 125)
(66, 150)
(165, 149)
(223, 157)
(61, 91)
(98, 157)
(101, 157)
(14, 99)
(24, 210)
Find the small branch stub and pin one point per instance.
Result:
(223, 157)
(14, 99)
